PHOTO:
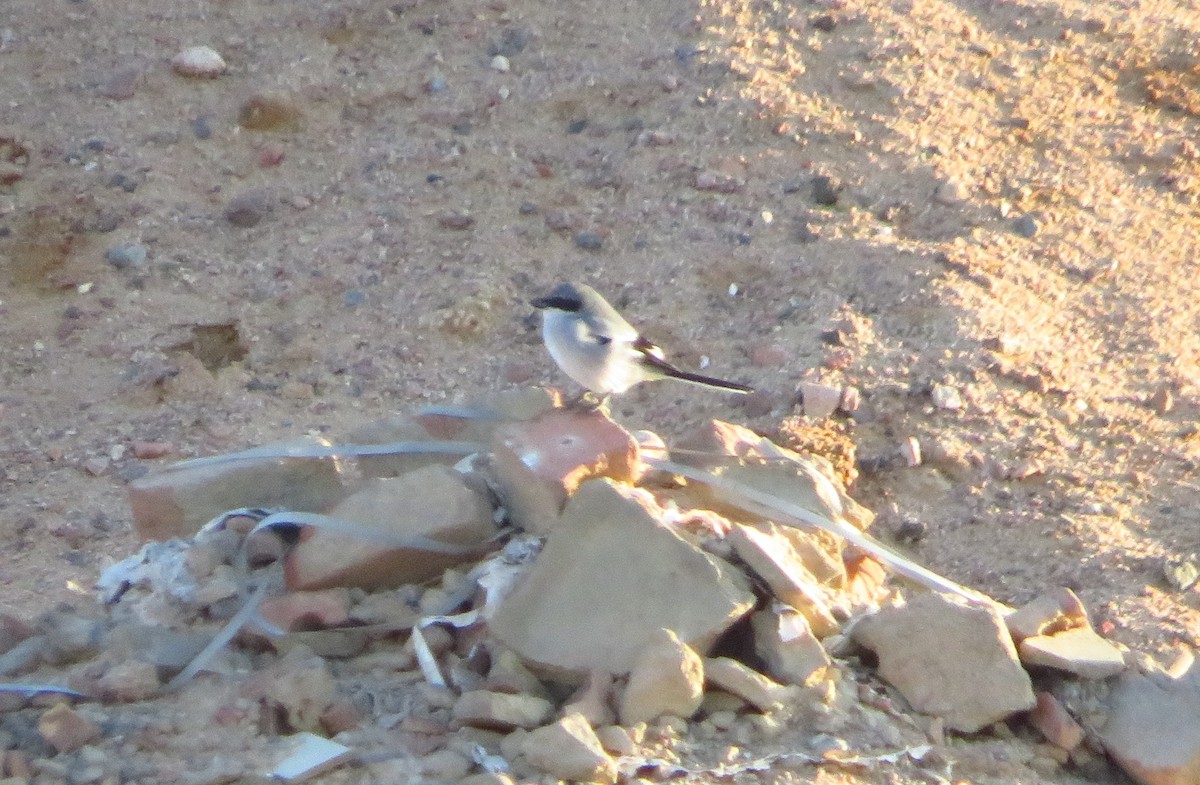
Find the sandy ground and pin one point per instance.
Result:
(1012, 215)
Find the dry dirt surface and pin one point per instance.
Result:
(983, 215)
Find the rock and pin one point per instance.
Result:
(1025, 225)
(1057, 610)
(302, 687)
(263, 112)
(500, 63)
(1079, 650)
(616, 740)
(667, 678)
(126, 255)
(501, 710)
(746, 683)
(199, 62)
(65, 729)
(569, 750)
(433, 502)
(784, 641)
(593, 700)
(122, 84)
(610, 576)
(1153, 729)
(177, 502)
(1054, 722)
(818, 400)
(307, 610)
(508, 674)
(946, 397)
(148, 451)
(13, 630)
(445, 765)
(772, 558)
(589, 241)
(826, 190)
(820, 554)
(455, 219)
(540, 462)
(129, 681)
(249, 208)
(948, 659)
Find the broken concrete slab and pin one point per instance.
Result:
(785, 642)
(433, 502)
(1079, 650)
(746, 683)
(771, 556)
(1056, 610)
(949, 659)
(538, 463)
(610, 576)
(667, 678)
(569, 750)
(501, 710)
(1153, 729)
(178, 501)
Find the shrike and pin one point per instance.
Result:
(595, 346)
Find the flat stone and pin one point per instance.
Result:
(1080, 651)
(1054, 722)
(948, 659)
(541, 462)
(177, 502)
(501, 710)
(667, 678)
(785, 642)
(433, 502)
(1056, 610)
(65, 729)
(1153, 730)
(772, 558)
(569, 750)
(610, 576)
(746, 683)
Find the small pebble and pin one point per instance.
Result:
(759, 403)
(826, 190)
(910, 450)
(147, 450)
(201, 127)
(268, 113)
(248, 209)
(126, 255)
(122, 84)
(946, 397)
(200, 62)
(576, 126)
(589, 241)
(1025, 226)
(456, 219)
(500, 63)
(354, 297)
(436, 83)
(527, 208)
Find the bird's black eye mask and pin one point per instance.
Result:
(562, 298)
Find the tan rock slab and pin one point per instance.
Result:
(433, 502)
(569, 750)
(501, 710)
(746, 683)
(771, 556)
(784, 641)
(948, 659)
(1079, 650)
(1153, 730)
(65, 729)
(610, 576)
(667, 678)
(540, 462)
(1047, 614)
(1055, 723)
(177, 502)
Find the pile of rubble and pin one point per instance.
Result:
(533, 591)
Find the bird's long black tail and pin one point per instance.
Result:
(708, 381)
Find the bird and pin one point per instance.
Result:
(594, 345)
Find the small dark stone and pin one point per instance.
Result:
(107, 222)
(202, 127)
(527, 208)
(434, 178)
(72, 312)
(5, 231)
(685, 53)
(741, 238)
(589, 241)
(833, 338)
(354, 297)
(126, 184)
(248, 209)
(576, 126)
(511, 41)
(126, 255)
(453, 219)
(826, 189)
(94, 145)
(1025, 226)
(793, 186)
(823, 22)
(911, 531)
